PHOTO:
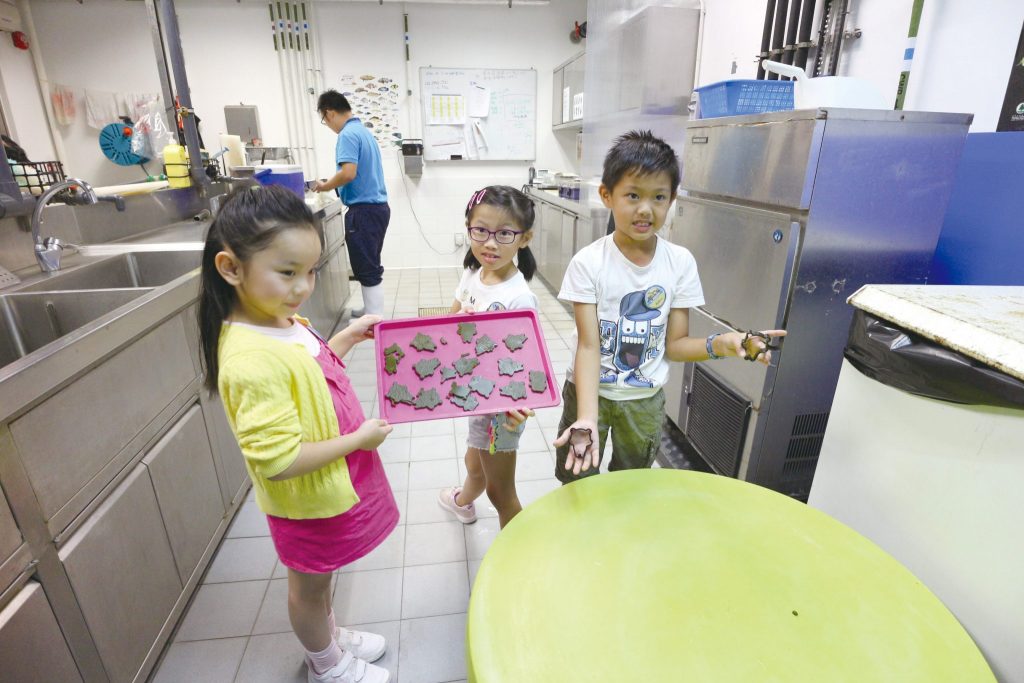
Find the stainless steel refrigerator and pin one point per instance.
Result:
(788, 214)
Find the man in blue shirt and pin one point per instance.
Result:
(360, 184)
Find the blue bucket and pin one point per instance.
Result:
(289, 176)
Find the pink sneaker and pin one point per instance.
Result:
(446, 499)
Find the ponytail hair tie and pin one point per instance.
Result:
(477, 197)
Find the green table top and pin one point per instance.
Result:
(666, 575)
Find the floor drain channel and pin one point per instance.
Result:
(434, 310)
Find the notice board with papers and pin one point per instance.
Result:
(479, 114)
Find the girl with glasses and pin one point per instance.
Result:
(499, 220)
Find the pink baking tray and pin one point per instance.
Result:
(495, 324)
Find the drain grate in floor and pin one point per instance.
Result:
(434, 310)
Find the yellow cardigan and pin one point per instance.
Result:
(276, 398)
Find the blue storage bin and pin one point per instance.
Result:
(732, 98)
(289, 176)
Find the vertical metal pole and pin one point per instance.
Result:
(766, 37)
(169, 22)
(789, 48)
(804, 36)
(908, 53)
(161, 65)
(778, 35)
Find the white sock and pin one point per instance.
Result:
(329, 657)
(373, 300)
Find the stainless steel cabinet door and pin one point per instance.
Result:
(232, 463)
(538, 244)
(556, 95)
(10, 536)
(32, 647)
(568, 247)
(745, 258)
(552, 246)
(185, 480)
(71, 444)
(122, 571)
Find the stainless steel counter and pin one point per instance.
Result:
(112, 456)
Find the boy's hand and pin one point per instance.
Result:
(580, 458)
(468, 308)
(361, 329)
(372, 433)
(731, 344)
(516, 418)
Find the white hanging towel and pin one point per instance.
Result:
(133, 104)
(63, 100)
(100, 108)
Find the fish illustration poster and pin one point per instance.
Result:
(374, 100)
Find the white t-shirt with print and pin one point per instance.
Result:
(511, 294)
(633, 303)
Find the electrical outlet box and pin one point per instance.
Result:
(460, 239)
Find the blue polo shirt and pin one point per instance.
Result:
(356, 145)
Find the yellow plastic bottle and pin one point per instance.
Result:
(176, 166)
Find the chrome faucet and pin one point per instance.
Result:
(49, 250)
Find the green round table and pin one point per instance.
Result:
(665, 575)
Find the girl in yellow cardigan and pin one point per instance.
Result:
(308, 448)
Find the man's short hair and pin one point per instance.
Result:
(333, 100)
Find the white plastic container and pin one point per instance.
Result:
(829, 91)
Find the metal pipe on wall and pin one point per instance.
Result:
(908, 53)
(766, 37)
(804, 36)
(305, 111)
(44, 83)
(778, 34)
(280, 43)
(309, 88)
(169, 24)
(789, 48)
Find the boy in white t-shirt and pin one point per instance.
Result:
(631, 292)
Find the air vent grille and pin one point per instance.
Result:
(716, 422)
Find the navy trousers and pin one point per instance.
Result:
(365, 227)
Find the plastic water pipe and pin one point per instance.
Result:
(280, 46)
(908, 53)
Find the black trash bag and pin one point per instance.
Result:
(919, 366)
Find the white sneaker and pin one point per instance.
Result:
(446, 499)
(349, 670)
(363, 645)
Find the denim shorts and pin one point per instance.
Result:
(479, 433)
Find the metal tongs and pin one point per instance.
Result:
(747, 336)
(768, 346)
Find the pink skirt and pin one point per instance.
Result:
(320, 546)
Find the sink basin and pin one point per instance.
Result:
(133, 269)
(29, 321)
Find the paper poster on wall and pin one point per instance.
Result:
(479, 104)
(577, 106)
(566, 106)
(448, 141)
(446, 109)
(374, 100)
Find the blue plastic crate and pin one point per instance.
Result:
(732, 98)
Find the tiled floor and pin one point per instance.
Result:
(414, 588)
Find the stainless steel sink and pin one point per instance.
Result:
(31, 320)
(133, 269)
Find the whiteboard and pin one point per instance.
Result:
(479, 114)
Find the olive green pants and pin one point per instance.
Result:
(635, 427)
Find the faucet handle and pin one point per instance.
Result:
(116, 198)
(48, 253)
